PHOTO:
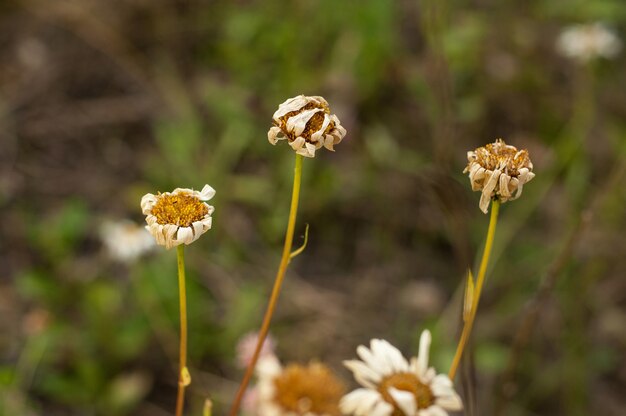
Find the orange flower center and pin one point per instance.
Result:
(409, 382)
(499, 155)
(179, 209)
(309, 389)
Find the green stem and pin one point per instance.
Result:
(183, 380)
(280, 275)
(480, 280)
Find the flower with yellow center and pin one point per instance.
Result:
(178, 217)
(307, 125)
(499, 171)
(297, 390)
(395, 387)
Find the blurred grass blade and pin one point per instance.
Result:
(208, 408)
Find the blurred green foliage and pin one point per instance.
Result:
(417, 84)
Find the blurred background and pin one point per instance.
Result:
(104, 101)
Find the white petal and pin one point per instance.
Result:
(452, 402)
(378, 347)
(272, 134)
(319, 134)
(329, 142)
(147, 203)
(376, 364)
(436, 411)
(424, 351)
(483, 204)
(184, 235)
(297, 143)
(405, 400)
(207, 193)
(504, 186)
(364, 375)
(381, 408)
(298, 122)
(169, 231)
(292, 104)
(308, 150)
(359, 401)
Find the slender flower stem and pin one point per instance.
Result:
(482, 271)
(280, 275)
(183, 377)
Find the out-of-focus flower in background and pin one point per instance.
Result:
(307, 125)
(394, 386)
(247, 345)
(178, 217)
(585, 42)
(498, 170)
(296, 389)
(125, 241)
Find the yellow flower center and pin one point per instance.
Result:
(312, 125)
(409, 382)
(499, 155)
(309, 389)
(179, 209)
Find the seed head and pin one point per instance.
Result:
(499, 171)
(307, 125)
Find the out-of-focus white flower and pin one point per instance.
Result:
(587, 41)
(307, 125)
(393, 386)
(125, 241)
(296, 390)
(498, 170)
(178, 217)
(247, 345)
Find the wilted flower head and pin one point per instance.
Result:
(307, 125)
(125, 241)
(247, 345)
(178, 217)
(297, 390)
(499, 171)
(588, 41)
(395, 387)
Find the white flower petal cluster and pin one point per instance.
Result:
(125, 241)
(498, 170)
(391, 384)
(307, 125)
(178, 217)
(267, 369)
(585, 42)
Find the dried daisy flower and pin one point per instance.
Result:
(587, 41)
(125, 241)
(307, 125)
(297, 390)
(178, 217)
(395, 387)
(499, 171)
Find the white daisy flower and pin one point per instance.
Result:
(498, 170)
(394, 386)
(178, 217)
(296, 390)
(307, 125)
(587, 41)
(125, 241)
